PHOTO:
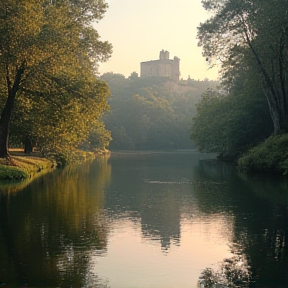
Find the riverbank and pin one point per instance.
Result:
(270, 156)
(24, 166)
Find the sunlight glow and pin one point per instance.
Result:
(139, 29)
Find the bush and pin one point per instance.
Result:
(269, 156)
(10, 172)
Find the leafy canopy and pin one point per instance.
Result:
(49, 52)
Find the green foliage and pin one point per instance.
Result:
(251, 35)
(71, 122)
(230, 124)
(99, 138)
(271, 155)
(49, 54)
(24, 167)
(253, 53)
(10, 172)
(151, 113)
(73, 113)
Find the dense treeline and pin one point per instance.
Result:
(50, 97)
(151, 113)
(250, 40)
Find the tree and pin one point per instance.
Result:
(43, 42)
(254, 32)
(150, 113)
(231, 124)
(61, 123)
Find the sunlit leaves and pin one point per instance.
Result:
(64, 118)
(53, 45)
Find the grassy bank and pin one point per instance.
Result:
(24, 167)
(271, 156)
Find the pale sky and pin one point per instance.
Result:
(139, 29)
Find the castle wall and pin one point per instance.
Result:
(164, 67)
(149, 69)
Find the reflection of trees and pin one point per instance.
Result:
(232, 272)
(260, 227)
(160, 216)
(157, 200)
(12, 186)
(48, 230)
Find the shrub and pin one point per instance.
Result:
(269, 156)
(10, 172)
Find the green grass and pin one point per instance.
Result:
(271, 156)
(23, 167)
(10, 172)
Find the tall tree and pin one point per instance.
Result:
(41, 43)
(256, 31)
(229, 125)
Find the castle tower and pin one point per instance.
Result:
(175, 69)
(164, 55)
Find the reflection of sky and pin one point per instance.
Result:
(159, 236)
(135, 261)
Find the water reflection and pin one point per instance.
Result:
(149, 187)
(233, 272)
(158, 235)
(48, 230)
(260, 228)
(143, 220)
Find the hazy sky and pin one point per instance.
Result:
(139, 29)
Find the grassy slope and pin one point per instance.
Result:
(271, 156)
(24, 167)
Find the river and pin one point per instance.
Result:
(144, 220)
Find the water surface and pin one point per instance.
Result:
(143, 220)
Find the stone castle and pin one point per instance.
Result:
(164, 67)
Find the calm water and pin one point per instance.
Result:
(146, 220)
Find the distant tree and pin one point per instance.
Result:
(147, 114)
(117, 82)
(134, 76)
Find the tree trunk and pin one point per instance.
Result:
(27, 146)
(276, 107)
(4, 126)
(278, 127)
(5, 117)
(276, 100)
